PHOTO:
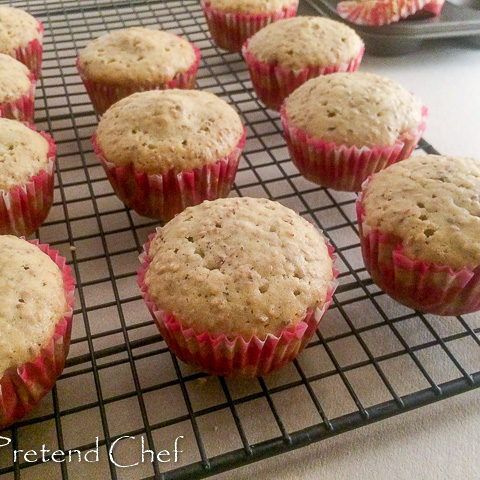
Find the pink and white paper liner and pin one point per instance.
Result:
(104, 95)
(421, 285)
(22, 387)
(273, 83)
(344, 167)
(162, 196)
(31, 54)
(383, 12)
(230, 30)
(233, 356)
(23, 108)
(24, 208)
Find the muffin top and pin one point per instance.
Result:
(431, 203)
(33, 300)
(17, 29)
(160, 130)
(250, 6)
(23, 153)
(300, 42)
(356, 108)
(239, 266)
(136, 55)
(14, 79)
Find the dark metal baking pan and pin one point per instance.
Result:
(455, 21)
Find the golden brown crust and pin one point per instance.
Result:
(300, 42)
(432, 204)
(136, 55)
(160, 130)
(361, 109)
(33, 301)
(239, 266)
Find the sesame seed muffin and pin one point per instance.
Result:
(419, 221)
(135, 59)
(17, 90)
(27, 160)
(21, 37)
(35, 323)
(239, 271)
(232, 22)
(343, 127)
(164, 150)
(284, 55)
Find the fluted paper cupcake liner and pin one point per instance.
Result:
(230, 30)
(31, 54)
(104, 95)
(162, 196)
(382, 12)
(22, 387)
(273, 83)
(24, 208)
(344, 167)
(22, 108)
(232, 356)
(418, 284)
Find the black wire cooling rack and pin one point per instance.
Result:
(370, 359)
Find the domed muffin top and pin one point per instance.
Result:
(239, 266)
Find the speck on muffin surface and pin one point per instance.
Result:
(432, 204)
(239, 266)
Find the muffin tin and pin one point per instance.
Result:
(370, 359)
(460, 21)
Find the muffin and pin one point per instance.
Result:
(231, 22)
(27, 163)
(164, 150)
(419, 221)
(237, 286)
(135, 59)
(17, 90)
(282, 56)
(380, 12)
(35, 324)
(21, 37)
(343, 127)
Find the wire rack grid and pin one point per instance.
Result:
(370, 359)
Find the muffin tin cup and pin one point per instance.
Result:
(421, 285)
(273, 83)
(230, 30)
(232, 356)
(380, 12)
(162, 196)
(22, 387)
(31, 55)
(23, 108)
(24, 208)
(343, 167)
(103, 95)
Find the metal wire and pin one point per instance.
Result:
(90, 226)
